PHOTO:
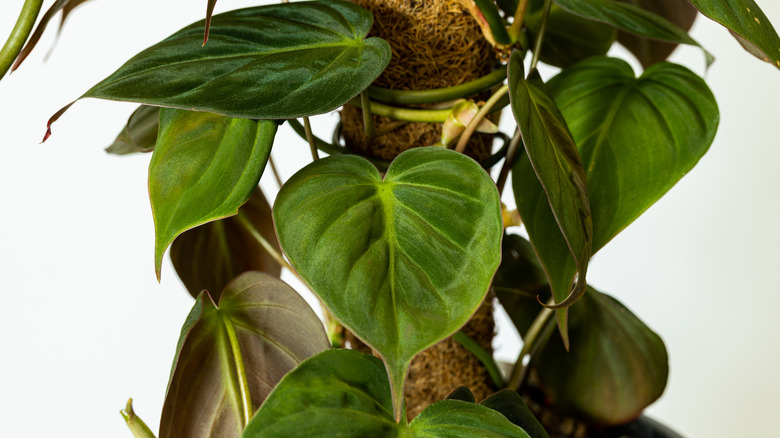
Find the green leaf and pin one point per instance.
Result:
(209, 256)
(345, 393)
(459, 419)
(204, 167)
(402, 262)
(462, 393)
(519, 280)
(637, 136)
(511, 405)
(568, 38)
(230, 357)
(748, 23)
(552, 153)
(140, 133)
(649, 51)
(268, 62)
(632, 19)
(617, 365)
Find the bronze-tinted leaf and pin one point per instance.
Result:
(66, 6)
(231, 356)
(209, 256)
(649, 51)
(140, 133)
(617, 365)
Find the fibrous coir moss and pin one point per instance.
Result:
(435, 43)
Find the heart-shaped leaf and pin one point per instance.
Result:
(140, 133)
(617, 365)
(345, 393)
(204, 167)
(649, 51)
(402, 262)
(637, 136)
(748, 23)
(267, 62)
(231, 356)
(209, 256)
(568, 38)
(553, 155)
(632, 19)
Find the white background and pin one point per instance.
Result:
(85, 325)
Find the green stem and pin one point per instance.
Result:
(137, 427)
(368, 119)
(310, 138)
(243, 383)
(490, 12)
(435, 95)
(509, 161)
(540, 37)
(517, 22)
(530, 341)
(483, 112)
(397, 376)
(19, 34)
(261, 240)
(275, 171)
(406, 114)
(484, 357)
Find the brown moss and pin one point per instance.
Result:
(435, 44)
(437, 371)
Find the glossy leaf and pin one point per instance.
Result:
(617, 365)
(632, 19)
(511, 405)
(140, 133)
(568, 38)
(519, 280)
(204, 167)
(345, 393)
(209, 256)
(267, 62)
(637, 136)
(748, 23)
(553, 155)
(649, 51)
(66, 6)
(402, 262)
(261, 326)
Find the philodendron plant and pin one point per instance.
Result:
(402, 253)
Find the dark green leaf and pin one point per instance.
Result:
(462, 393)
(553, 155)
(519, 280)
(338, 392)
(617, 365)
(261, 325)
(267, 62)
(637, 136)
(66, 6)
(632, 19)
(459, 419)
(512, 406)
(140, 133)
(403, 262)
(748, 23)
(649, 51)
(569, 38)
(209, 256)
(204, 167)
(345, 393)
